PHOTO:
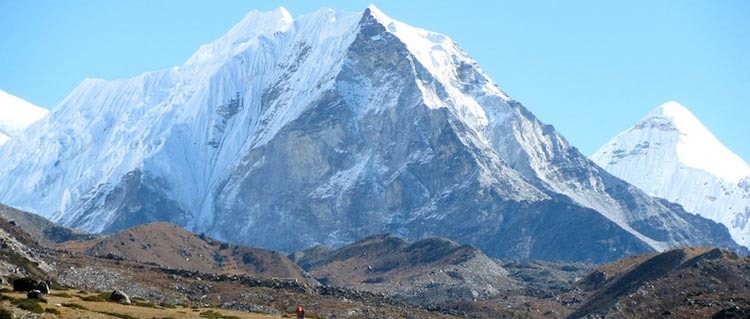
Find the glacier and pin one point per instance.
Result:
(670, 154)
(323, 129)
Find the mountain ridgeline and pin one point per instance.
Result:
(286, 133)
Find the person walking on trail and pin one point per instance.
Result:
(300, 312)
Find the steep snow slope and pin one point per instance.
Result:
(16, 114)
(286, 133)
(670, 154)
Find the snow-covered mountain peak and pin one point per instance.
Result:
(694, 144)
(675, 116)
(338, 124)
(673, 109)
(16, 114)
(448, 64)
(257, 22)
(254, 25)
(669, 153)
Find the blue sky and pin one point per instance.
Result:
(590, 68)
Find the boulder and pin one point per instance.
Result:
(25, 284)
(43, 287)
(35, 294)
(119, 296)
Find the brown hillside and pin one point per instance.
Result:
(42, 230)
(171, 246)
(679, 283)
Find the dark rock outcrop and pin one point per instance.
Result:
(119, 296)
(25, 284)
(35, 294)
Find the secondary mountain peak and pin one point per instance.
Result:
(669, 153)
(671, 128)
(673, 109)
(678, 117)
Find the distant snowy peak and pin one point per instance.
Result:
(672, 128)
(670, 154)
(15, 115)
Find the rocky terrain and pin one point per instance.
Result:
(546, 279)
(41, 229)
(680, 283)
(167, 245)
(427, 272)
(20, 253)
(167, 291)
(381, 276)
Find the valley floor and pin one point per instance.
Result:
(75, 304)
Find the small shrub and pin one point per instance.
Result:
(145, 304)
(53, 311)
(99, 297)
(28, 305)
(167, 305)
(210, 314)
(61, 294)
(118, 315)
(5, 314)
(74, 306)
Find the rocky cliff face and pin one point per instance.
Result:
(288, 133)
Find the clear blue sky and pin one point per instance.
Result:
(590, 68)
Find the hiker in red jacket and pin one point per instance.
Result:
(300, 312)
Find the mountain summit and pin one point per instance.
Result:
(16, 115)
(670, 154)
(286, 133)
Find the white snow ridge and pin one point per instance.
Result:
(669, 153)
(16, 115)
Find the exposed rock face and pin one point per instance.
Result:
(322, 130)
